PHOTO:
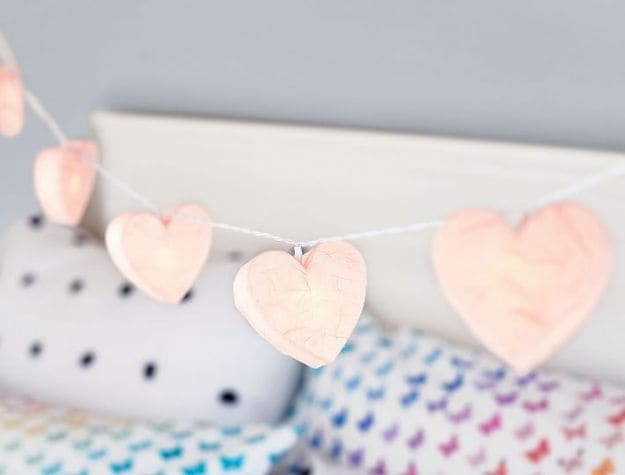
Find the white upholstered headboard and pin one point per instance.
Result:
(305, 182)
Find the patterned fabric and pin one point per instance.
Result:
(75, 333)
(42, 440)
(409, 403)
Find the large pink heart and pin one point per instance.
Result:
(523, 291)
(161, 255)
(11, 101)
(305, 309)
(64, 179)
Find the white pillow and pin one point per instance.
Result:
(74, 332)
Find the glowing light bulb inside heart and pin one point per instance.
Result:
(74, 184)
(161, 255)
(64, 178)
(523, 291)
(165, 257)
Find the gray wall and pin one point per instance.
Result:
(535, 71)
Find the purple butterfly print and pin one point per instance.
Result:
(571, 433)
(538, 406)
(618, 400)
(496, 375)
(477, 459)
(613, 439)
(491, 425)
(595, 393)
(416, 440)
(526, 379)
(525, 432)
(379, 469)
(506, 399)
(460, 363)
(411, 470)
(574, 413)
(485, 385)
(435, 406)
(450, 447)
(391, 433)
(572, 464)
(546, 386)
(461, 416)
(356, 458)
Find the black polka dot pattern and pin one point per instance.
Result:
(28, 279)
(126, 290)
(235, 256)
(35, 221)
(149, 370)
(187, 297)
(76, 286)
(87, 359)
(229, 397)
(36, 348)
(80, 239)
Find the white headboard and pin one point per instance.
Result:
(305, 182)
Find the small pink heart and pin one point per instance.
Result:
(64, 180)
(11, 101)
(523, 292)
(305, 309)
(162, 256)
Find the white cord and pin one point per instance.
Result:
(40, 111)
(577, 187)
(6, 53)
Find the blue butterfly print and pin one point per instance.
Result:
(172, 453)
(52, 469)
(336, 449)
(340, 418)
(385, 368)
(353, 383)
(454, 384)
(199, 469)
(121, 467)
(433, 356)
(232, 463)
(417, 379)
(139, 446)
(409, 398)
(366, 422)
(376, 394)
(209, 446)
(98, 454)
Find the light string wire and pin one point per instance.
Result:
(6, 53)
(585, 183)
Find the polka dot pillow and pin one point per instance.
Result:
(73, 332)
